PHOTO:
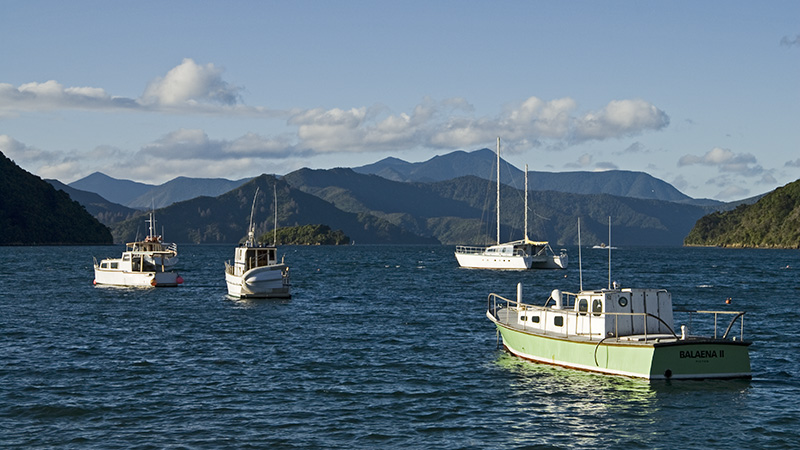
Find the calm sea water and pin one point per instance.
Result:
(380, 347)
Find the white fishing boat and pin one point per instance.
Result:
(621, 331)
(143, 263)
(516, 255)
(255, 271)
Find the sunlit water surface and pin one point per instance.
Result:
(380, 347)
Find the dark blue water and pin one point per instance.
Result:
(380, 347)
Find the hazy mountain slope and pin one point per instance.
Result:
(108, 213)
(183, 188)
(34, 212)
(112, 189)
(482, 162)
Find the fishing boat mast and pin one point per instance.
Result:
(251, 232)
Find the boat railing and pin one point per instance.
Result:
(470, 250)
(718, 316)
(497, 302)
(476, 250)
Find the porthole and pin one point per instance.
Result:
(523, 318)
(623, 301)
(558, 321)
(535, 319)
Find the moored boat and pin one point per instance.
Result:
(516, 255)
(617, 331)
(255, 271)
(144, 263)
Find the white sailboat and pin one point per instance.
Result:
(516, 255)
(256, 272)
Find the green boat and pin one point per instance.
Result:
(627, 332)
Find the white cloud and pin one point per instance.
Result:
(188, 88)
(193, 144)
(618, 119)
(191, 82)
(725, 160)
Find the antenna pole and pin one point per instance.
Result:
(275, 227)
(526, 203)
(580, 265)
(498, 189)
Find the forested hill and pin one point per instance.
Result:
(33, 212)
(772, 222)
(224, 219)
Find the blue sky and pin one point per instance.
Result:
(704, 95)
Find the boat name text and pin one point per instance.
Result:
(702, 354)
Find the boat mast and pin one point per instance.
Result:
(251, 232)
(275, 227)
(526, 203)
(609, 252)
(498, 189)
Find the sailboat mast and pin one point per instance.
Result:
(609, 252)
(275, 227)
(526, 203)
(498, 189)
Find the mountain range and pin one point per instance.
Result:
(147, 196)
(448, 199)
(482, 163)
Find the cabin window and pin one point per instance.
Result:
(114, 265)
(523, 318)
(126, 257)
(535, 319)
(104, 266)
(583, 306)
(558, 321)
(623, 301)
(597, 306)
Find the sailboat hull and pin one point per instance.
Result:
(483, 261)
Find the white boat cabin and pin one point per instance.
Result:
(248, 258)
(600, 314)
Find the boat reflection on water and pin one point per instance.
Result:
(558, 407)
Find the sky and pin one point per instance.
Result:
(704, 95)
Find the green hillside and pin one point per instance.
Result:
(224, 219)
(772, 222)
(461, 211)
(33, 212)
